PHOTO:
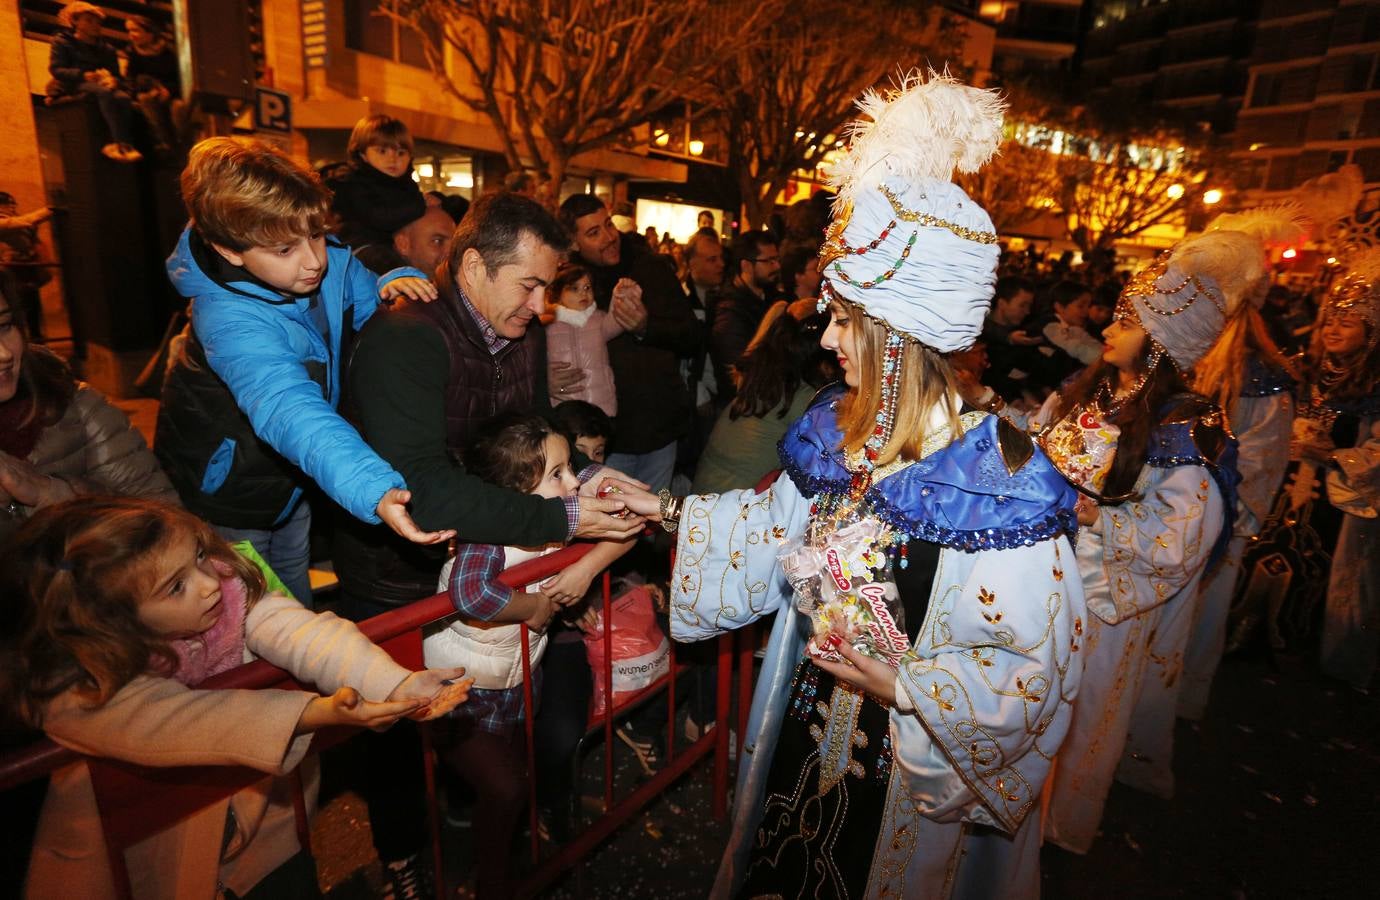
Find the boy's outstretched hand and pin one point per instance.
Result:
(411, 287)
(392, 509)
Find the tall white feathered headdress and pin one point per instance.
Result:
(1186, 297)
(906, 243)
(1243, 270)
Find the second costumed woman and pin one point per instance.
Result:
(1156, 465)
(922, 661)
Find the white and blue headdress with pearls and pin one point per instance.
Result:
(907, 244)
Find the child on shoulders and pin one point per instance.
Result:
(373, 194)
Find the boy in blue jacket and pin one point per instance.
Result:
(249, 415)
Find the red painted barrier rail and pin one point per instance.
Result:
(137, 801)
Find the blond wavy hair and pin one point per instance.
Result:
(927, 380)
(242, 193)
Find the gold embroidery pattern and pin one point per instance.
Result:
(896, 841)
(836, 738)
(739, 596)
(1154, 547)
(947, 687)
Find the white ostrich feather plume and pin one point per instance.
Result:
(1233, 259)
(1364, 264)
(1281, 223)
(1330, 197)
(921, 130)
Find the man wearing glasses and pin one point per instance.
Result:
(757, 260)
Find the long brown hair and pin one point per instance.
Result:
(1136, 419)
(785, 356)
(1359, 372)
(73, 577)
(44, 378)
(927, 380)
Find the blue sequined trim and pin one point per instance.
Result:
(965, 483)
(1064, 521)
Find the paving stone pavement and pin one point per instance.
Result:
(1276, 798)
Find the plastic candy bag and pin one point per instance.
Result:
(843, 582)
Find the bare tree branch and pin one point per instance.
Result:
(786, 97)
(562, 77)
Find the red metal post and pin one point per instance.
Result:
(608, 693)
(722, 693)
(528, 726)
(747, 647)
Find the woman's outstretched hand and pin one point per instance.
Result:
(864, 672)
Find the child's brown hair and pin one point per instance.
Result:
(73, 577)
(378, 131)
(568, 275)
(510, 451)
(242, 193)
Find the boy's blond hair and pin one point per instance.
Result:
(378, 131)
(242, 193)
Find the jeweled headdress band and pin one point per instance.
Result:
(1153, 304)
(1354, 293)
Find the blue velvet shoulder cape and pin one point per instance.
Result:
(962, 496)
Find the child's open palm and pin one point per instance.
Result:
(346, 707)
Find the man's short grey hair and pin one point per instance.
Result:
(495, 225)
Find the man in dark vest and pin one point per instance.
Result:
(421, 379)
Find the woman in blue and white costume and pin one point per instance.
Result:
(1156, 465)
(924, 656)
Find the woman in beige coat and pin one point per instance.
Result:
(124, 606)
(59, 438)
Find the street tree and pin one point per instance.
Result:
(786, 95)
(1023, 181)
(1117, 180)
(558, 78)
(1018, 185)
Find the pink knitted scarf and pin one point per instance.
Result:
(221, 646)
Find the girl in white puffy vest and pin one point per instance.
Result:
(521, 452)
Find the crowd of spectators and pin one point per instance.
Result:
(443, 384)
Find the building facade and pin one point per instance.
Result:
(1312, 101)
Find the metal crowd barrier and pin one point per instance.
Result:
(136, 802)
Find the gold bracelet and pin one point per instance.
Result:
(670, 510)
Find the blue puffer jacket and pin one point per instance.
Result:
(284, 377)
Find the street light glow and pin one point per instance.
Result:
(1175, 191)
(1289, 253)
(1212, 196)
